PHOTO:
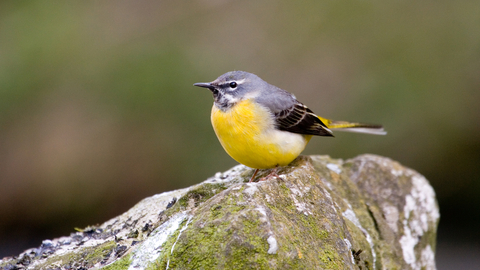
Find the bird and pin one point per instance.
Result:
(265, 127)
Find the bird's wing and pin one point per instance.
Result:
(298, 118)
(290, 114)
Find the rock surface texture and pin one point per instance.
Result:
(320, 213)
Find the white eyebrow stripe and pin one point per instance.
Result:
(238, 81)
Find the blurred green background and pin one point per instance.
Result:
(97, 107)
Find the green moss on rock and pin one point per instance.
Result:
(84, 257)
(200, 194)
(120, 264)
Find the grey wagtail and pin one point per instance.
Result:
(263, 126)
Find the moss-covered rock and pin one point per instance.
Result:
(365, 213)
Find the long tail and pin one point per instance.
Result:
(354, 127)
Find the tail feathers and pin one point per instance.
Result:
(354, 127)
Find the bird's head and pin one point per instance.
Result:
(233, 87)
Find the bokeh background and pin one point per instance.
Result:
(97, 107)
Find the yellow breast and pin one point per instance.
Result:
(247, 133)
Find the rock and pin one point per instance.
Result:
(321, 213)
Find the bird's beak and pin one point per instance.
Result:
(205, 85)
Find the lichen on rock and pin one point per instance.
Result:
(320, 213)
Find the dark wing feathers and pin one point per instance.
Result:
(300, 119)
(291, 115)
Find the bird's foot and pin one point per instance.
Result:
(272, 174)
(253, 176)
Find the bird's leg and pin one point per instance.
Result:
(272, 174)
(253, 176)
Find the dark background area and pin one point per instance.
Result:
(97, 107)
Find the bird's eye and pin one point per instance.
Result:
(233, 85)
